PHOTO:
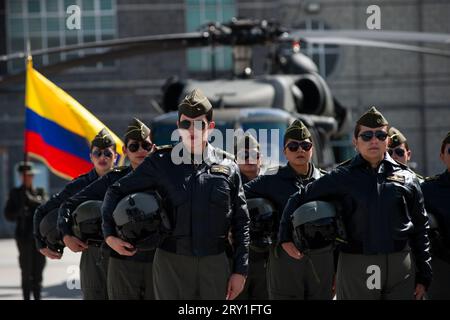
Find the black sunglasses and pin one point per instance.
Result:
(398, 151)
(186, 124)
(98, 153)
(368, 135)
(294, 145)
(134, 146)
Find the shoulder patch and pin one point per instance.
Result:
(396, 178)
(217, 168)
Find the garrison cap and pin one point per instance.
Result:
(137, 130)
(26, 167)
(397, 138)
(103, 139)
(372, 119)
(446, 139)
(297, 131)
(194, 104)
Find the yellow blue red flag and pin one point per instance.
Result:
(58, 129)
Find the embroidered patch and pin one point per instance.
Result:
(396, 178)
(220, 169)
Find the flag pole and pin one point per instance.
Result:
(28, 64)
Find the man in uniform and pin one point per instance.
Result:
(129, 275)
(103, 156)
(19, 208)
(384, 218)
(248, 158)
(436, 191)
(204, 199)
(293, 278)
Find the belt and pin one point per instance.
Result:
(183, 246)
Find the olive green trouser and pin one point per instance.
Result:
(179, 277)
(93, 270)
(375, 277)
(130, 280)
(309, 278)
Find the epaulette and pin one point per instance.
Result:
(40, 191)
(217, 168)
(433, 178)
(166, 147)
(272, 170)
(119, 169)
(344, 163)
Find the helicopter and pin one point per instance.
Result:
(291, 81)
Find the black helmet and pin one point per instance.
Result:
(87, 224)
(314, 225)
(262, 213)
(138, 219)
(49, 232)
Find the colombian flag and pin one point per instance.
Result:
(58, 129)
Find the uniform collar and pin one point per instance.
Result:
(358, 160)
(92, 175)
(288, 172)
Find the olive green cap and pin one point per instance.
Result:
(372, 119)
(26, 167)
(137, 130)
(194, 104)
(103, 139)
(396, 137)
(297, 131)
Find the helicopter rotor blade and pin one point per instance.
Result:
(377, 44)
(392, 36)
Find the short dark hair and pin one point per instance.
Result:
(443, 146)
(208, 114)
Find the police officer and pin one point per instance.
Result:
(290, 278)
(204, 199)
(248, 158)
(19, 208)
(129, 273)
(102, 155)
(436, 191)
(384, 218)
(399, 148)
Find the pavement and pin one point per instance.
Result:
(61, 277)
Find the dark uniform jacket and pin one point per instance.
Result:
(96, 191)
(56, 200)
(20, 208)
(383, 213)
(277, 185)
(436, 191)
(203, 201)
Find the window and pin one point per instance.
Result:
(324, 56)
(199, 12)
(43, 22)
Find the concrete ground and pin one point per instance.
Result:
(61, 277)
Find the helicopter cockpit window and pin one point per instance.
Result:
(43, 22)
(199, 12)
(324, 56)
